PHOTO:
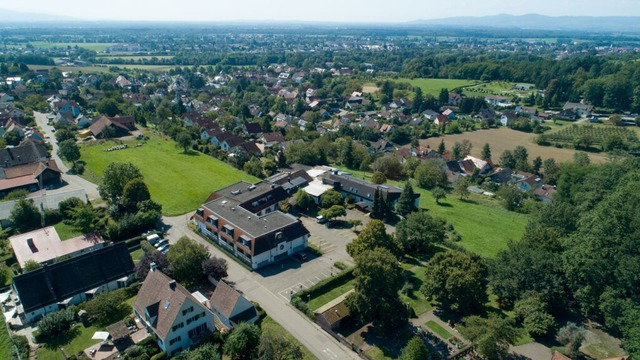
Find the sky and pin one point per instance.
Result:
(323, 10)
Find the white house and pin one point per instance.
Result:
(231, 307)
(169, 311)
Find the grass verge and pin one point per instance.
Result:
(270, 325)
(435, 327)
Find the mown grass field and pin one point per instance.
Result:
(6, 347)
(484, 225)
(433, 86)
(178, 181)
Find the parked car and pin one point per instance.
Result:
(153, 239)
(164, 248)
(161, 243)
(300, 256)
(321, 219)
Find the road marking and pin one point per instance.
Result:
(330, 353)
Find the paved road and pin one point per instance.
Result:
(73, 181)
(264, 289)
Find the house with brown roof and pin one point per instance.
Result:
(119, 125)
(231, 307)
(171, 313)
(30, 176)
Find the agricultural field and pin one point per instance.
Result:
(433, 86)
(593, 134)
(133, 57)
(89, 46)
(501, 88)
(178, 181)
(502, 139)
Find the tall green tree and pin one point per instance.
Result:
(183, 140)
(116, 176)
(419, 232)
(457, 281)
(486, 152)
(69, 151)
(429, 175)
(185, 260)
(25, 216)
(491, 336)
(275, 346)
(378, 278)
(507, 159)
(135, 192)
(406, 202)
(461, 188)
(415, 350)
(243, 341)
(372, 236)
(330, 198)
(532, 311)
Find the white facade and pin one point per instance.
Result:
(192, 321)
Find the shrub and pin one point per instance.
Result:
(54, 324)
(340, 265)
(22, 344)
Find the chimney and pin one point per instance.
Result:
(172, 284)
(153, 266)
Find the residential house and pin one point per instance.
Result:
(507, 117)
(243, 218)
(68, 107)
(72, 281)
(486, 114)
(44, 245)
(231, 307)
(82, 121)
(454, 99)
(526, 111)
(497, 100)
(5, 98)
(22, 155)
(545, 193)
(430, 115)
(31, 176)
(582, 110)
(289, 180)
(170, 312)
(253, 128)
(380, 146)
(272, 139)
(119, 125)
(386, 128)
(441, 120)
(471, 165)
(362, 190)
(526, 181)
(450, 114)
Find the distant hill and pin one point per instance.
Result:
(542, 22)
(21, 17)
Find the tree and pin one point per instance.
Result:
(183, 140)
(241, 344)
(456, 151)
(215, 267)
(254, 167)
(429, 175)
(63, 135)
(438, 194)
(520, 154)
(347, 154)
(441, 148)
(443, 97)
(508, 160)
(378, 278)
(143, 266)
(105, 305)
(377, 210)
(372, 236)
(419, 232)
(69, 151)
(31, 265)
(116, 176)
(25, 215)
(304, 201)
(85, 218)
(465, 148)
(550, 170)
(457, 281)
(581, 158)
(461, 187)
(532, 311)
(490, 336)
(135, 192)
(330, 198)
(415, 350)
(275, 346)
(13, 137)
(206, 351)
(56, 323)
(486, 152)
(333, 212)
(108, 106)
(512, 198)
(378, 177)
(406, 201)
(389, 166)
(537, 165)
(571, 336)
(185, 260)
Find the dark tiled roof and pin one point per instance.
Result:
(289, 231)
(224, 299)
(253, 128)
(359, 187)
(21, 155)
(55, 283)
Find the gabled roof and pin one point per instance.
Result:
(55, 283)
(253, 128)
(21, 155)
(275, 136)
(224, 299)
(161, 297)
(103, 122)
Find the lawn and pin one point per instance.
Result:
(88, 46)
(415, 298)
(6, 347)
(317, 302)
(484, 225)
(502, 88)
(136, 255)
(101, 68)
(66, 232)
(178, 181)
(271, 326)
(435, 327)
(433, 86)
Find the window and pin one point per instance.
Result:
(195, 318)
(186, 311)
(174, 340)
(177, 326)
